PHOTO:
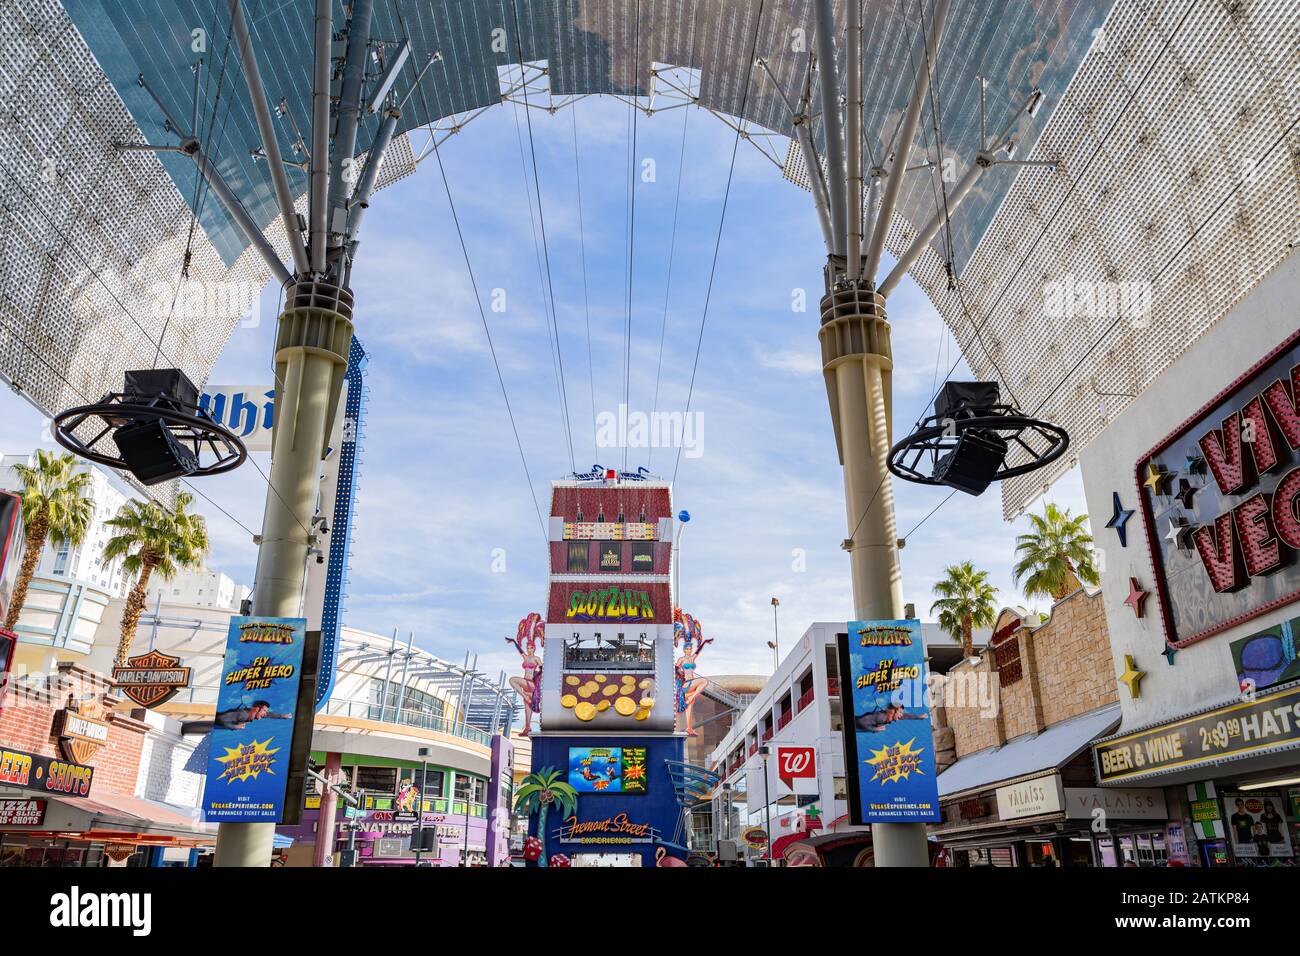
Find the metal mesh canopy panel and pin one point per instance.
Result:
(1174, 119)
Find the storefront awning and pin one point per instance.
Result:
(1029, 754)
(119, 813)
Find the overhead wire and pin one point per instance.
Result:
(722, 219)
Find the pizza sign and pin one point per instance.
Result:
(1221, 502)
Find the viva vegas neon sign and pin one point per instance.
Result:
(1251, 538)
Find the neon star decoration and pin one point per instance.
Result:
(895, 762)
(1168, 654)
(1137, 598)
(1158, 478)
(247, 760)
(1132, 677)
(1195, 465)
(1179, 534)
(1186, 492)
(1119, 519)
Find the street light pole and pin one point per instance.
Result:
(419, 803)
(765, 750)
(776, 636)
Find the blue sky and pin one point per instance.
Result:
(442, 486)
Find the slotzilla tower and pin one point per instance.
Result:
(607, 702)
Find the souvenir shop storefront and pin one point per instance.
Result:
(1035, 802)
(1197, 485)
(1234, 771)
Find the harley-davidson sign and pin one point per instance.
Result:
(1221, 502)
(152, 678)
(80, 730)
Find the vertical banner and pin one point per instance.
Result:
(888, 740)
(252, 734)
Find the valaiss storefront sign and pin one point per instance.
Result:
(1268, 723)
(1221, 502)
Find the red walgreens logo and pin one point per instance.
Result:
(795, 763)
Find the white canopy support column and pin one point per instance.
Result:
(906, 136)
(853, 53)
(320, 135)
(830, 95)
(266, 129)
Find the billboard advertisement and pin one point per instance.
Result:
(1220, 499)
(888, 740)
(252, 733)
(607, 769)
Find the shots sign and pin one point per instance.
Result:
(888, 740)
(252, 734)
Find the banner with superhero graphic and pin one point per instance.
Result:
(252, 733)
(888, 740)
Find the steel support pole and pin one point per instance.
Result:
(816, 183)
(830, 97)
(312, 343)
(401, 690)
(858, 364)
(230, 202)
(913, 252)
(906, 136)
(329, 802)
(853, 53)
(266, 129)
(320, 136)
(349, 115)
(374, 161)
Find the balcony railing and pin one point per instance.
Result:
(783, 720)
(767, 735)
(407, 717)
(806, 697)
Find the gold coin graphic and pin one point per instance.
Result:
(603, 706)
(585, 711)
(568, 700)
(625, 706)
(572, 681)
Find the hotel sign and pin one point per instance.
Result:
(1030, 799)
(152, 678)
(1270, 722)
(1221, 503)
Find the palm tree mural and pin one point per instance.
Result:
(153, 538)
(1055, 555)
(965, 602)
(538, 792)
(57, 507)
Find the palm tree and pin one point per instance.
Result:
(56, 506)
(153, 538)
(965, 602)
(537, 792)
(1056, 555)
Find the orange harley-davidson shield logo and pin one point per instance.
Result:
(151, 678)
(81, 729)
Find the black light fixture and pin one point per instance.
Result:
(965, 444)
(153, 428)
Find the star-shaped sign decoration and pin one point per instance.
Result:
(1179, 534)
(1137, 598)
(1119, 519)
(1132, 677)
(1169, 653)
(1186, 493)
(1158, 478)
(1195, 465)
